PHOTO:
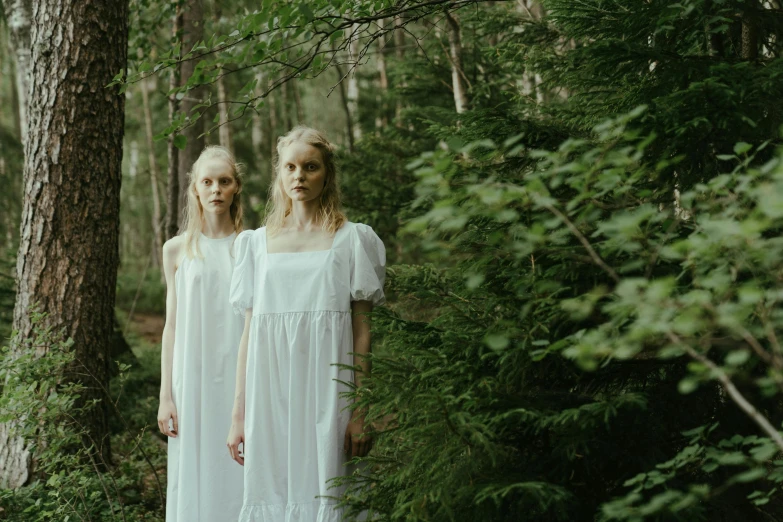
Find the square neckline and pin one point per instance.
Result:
(331, 247)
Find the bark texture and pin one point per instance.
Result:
(68, 251)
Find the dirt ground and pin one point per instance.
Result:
(148, 326)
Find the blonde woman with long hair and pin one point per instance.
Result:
(200, 340)
(305, 283)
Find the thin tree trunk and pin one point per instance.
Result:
(383, 82)
(68, 251)
(18, 15)
(285, 109)
(346, 107)
(257, 130)
(750, 33)
(192, 33)
(353, 84)
(154, 177)
(224, 133)
(399, 53)
(294, 83)
(457, 74)
(274, 131)
(172, 187)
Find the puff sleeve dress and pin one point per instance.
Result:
(204, 484)
(300, 331)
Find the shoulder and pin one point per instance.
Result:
(247, 239)
(173, 247)
(173, 250)
(363, 233)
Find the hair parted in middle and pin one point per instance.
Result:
(279, 205)
(193, 217)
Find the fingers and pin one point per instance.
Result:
(236, 454)
(163, 426)
(176, 425)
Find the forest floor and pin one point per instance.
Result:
(148, 326)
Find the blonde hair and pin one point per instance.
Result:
(279, 205)
(194, 210)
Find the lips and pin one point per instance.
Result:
(216, 201)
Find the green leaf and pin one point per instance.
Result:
(741, 148)
(737, 357)
(180, 141)
(496, 341)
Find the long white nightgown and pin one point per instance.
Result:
(295, 419)
(204, 483)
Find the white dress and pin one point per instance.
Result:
(204, 483)
(295, 418)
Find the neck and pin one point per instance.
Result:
(216, 226)
(304, 215)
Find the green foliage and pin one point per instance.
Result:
(577, 255)
(71, 481)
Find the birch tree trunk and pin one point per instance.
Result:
(353, 84)
(19, 18)
(257, 130)
(383, 83)
(157, 224)
(458, 82)
(68, 251)
(224, 132)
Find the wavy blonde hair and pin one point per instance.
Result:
(194, 210)
(279, 205)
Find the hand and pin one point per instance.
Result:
(236, 436)
(357, 442)
(167, 411)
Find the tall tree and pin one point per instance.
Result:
(68, 253)
(157, 224)
(192, 33)
(19, 16)
(172, 176)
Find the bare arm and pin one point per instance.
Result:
(167, 409)
(236, 435)
(357, 443)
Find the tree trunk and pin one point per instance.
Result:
(383, 83)
(192, 33)
(68, 251)
(399, 53)
(154, 177)
(457, 74)
(346, 107)
(294, 85)
(224, 132)
(172, 187)
(257, 130)
(353, 84)
(750, 33)
(18, 15)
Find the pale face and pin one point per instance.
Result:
(302, 171)
(216, 186)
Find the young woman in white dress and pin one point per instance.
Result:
(200, 341)
(305, 283)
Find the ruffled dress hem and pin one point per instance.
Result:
(310, 511)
